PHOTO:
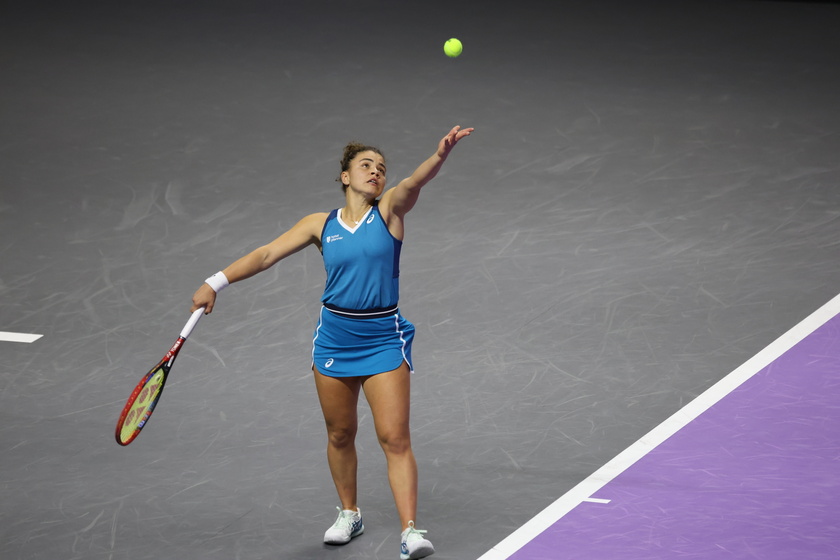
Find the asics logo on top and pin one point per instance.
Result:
(369, 220)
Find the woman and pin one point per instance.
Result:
(361, 342)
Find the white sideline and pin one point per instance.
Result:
(18, 337)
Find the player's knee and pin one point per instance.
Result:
(341, 438)
(395, 443)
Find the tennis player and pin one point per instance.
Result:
(361, 341)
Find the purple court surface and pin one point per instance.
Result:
(752, 476)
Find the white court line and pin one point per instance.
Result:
(583, 491)
(18, 337)
(596, 500)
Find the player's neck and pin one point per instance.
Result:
(355, 209)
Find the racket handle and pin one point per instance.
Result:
(188, 328)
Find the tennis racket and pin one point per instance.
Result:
(146, 394)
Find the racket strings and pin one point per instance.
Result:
(142, 406)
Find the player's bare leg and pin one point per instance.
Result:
(389, 397)
(339, 398)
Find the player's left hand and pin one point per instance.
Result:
(452, 138)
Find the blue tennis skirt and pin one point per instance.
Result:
(355, 345)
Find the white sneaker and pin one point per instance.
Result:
(348, 525)
(414, 544)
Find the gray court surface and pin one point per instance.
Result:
(650, 198)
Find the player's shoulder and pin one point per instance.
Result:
(315, 218)
(311, 224)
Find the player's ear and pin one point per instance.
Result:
(345, 178)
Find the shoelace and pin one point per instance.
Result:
(345, 519)
(411, 531)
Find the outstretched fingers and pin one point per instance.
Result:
(460, 133)
(452, 138)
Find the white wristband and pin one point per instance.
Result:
(218, 282)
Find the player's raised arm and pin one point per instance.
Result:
(400, 199)
(304, 233)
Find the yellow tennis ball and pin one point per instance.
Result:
(453, 47)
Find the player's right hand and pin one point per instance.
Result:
(204, 297)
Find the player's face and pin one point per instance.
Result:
(366, 173)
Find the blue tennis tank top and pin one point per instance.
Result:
(362, 263)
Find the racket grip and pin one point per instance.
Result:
(188, 328)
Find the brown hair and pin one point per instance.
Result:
(351, 150)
